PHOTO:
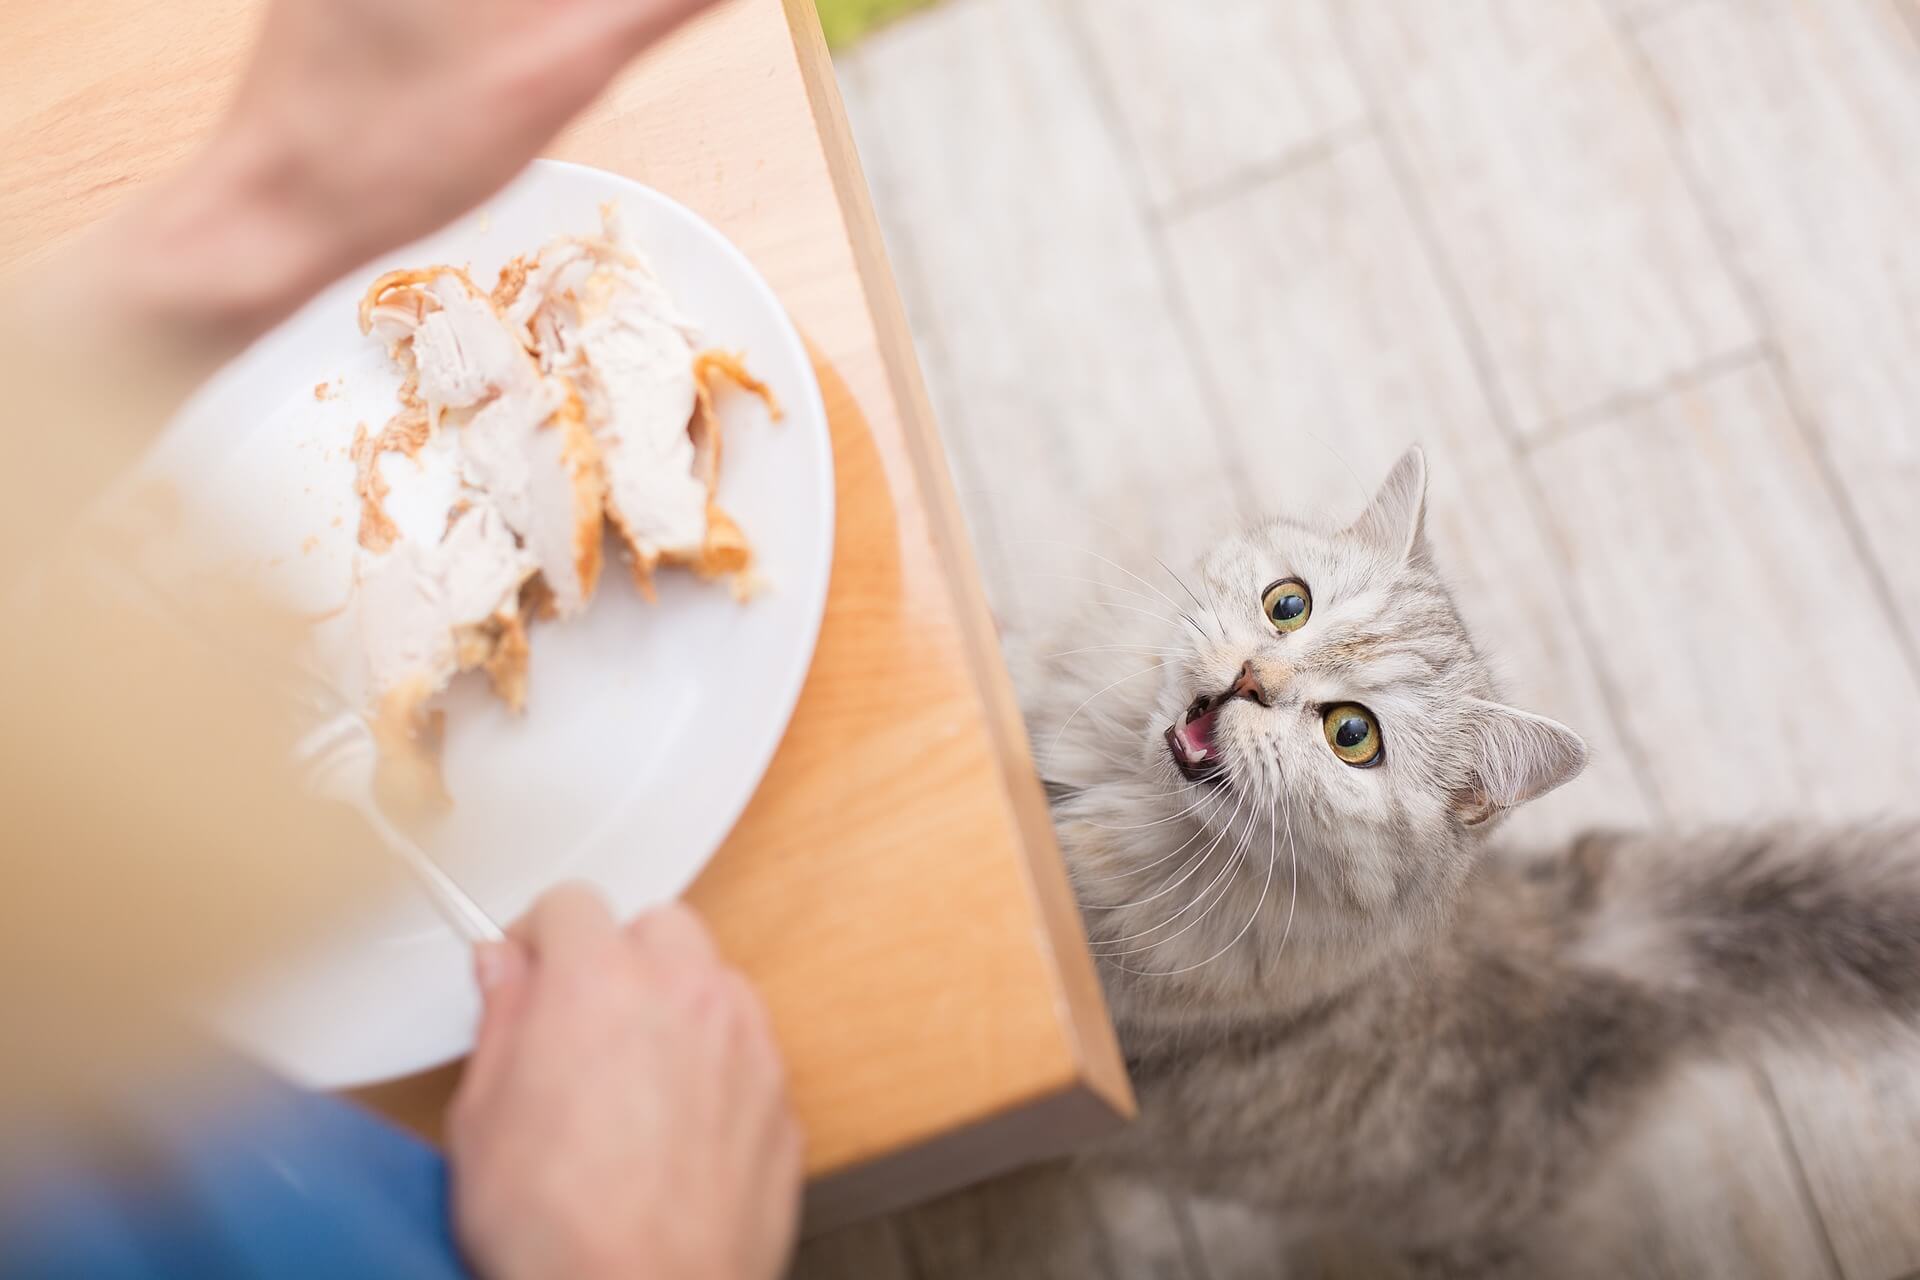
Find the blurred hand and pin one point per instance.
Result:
(624, 1112)
(360, 125)
(391, 117)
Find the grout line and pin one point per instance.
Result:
(1748, 290)
(1803, 1188)
(1316, 150)
(1498, 407)
(1106, 102)
(1613, 407)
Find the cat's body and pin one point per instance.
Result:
(1447, 1102)
(1334, 1000)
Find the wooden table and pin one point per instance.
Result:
(894, 888)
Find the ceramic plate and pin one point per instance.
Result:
(648, 726)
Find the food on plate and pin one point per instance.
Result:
(570, 401)
(601, 320)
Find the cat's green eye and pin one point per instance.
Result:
(1287, 604)
(1353, 734)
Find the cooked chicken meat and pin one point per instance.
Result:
(571, 397)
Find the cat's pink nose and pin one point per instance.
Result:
(1249, 686)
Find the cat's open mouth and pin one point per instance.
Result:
(1190, 740)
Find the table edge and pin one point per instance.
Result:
(1094, 1045)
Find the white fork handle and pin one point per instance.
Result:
(467, 917)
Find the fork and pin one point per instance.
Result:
(339, 759)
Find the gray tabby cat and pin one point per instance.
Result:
(1334, 1000)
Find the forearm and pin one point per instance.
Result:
(361, 125)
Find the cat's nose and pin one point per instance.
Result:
(1248, 685)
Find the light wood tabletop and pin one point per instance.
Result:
(894, 888)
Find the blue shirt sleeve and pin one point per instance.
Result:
(281, 1183)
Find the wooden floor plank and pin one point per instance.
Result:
(1587, 268)
(1035, 1225)
(1146, 1237)
(1703, 1191)
(864, 1251)
(1735, 609)
(1064, 374)
(1673, 496)
(1802, 124)
(1210, 103)
(1239, 1243)
(1798, 125)
(1344, 355)
(865, 114)
(1854, 1117)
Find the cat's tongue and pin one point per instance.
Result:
(1194, 738)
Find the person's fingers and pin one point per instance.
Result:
(756, 1028)
(496, 964)
(671, 936)
(569, 922)
(501, 970)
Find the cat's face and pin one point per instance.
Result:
(1329, 688)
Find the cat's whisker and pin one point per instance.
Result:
(1184, 871)
(1178, 791)
(1197, 862)
(1130, 766)
(1142, 826)
(1152, 613)
(1211, 613)
(1094, 748)
(1151, 650)
(1214, 606)
(1182, 582)
(1226, 775)
(1293, 858)
(1233, 860)
(1266, 884)
(1074, 714)
(1199, 831)
(1102, 583)
(1171, 602)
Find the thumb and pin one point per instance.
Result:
(498, 965)
(501, 970)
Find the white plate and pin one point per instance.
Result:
(648, 726)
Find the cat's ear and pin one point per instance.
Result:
(1395, 521)
(1520, 756)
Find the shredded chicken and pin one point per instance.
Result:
(377, 530)
(578, 402)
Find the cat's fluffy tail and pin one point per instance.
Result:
(1779, 931)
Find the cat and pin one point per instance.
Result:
(1273, 783)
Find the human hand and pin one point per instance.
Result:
(391, 117)
(624, 1112)
(359, 125)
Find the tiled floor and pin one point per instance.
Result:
(1642, 275)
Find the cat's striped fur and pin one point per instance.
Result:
(1373, 1022)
